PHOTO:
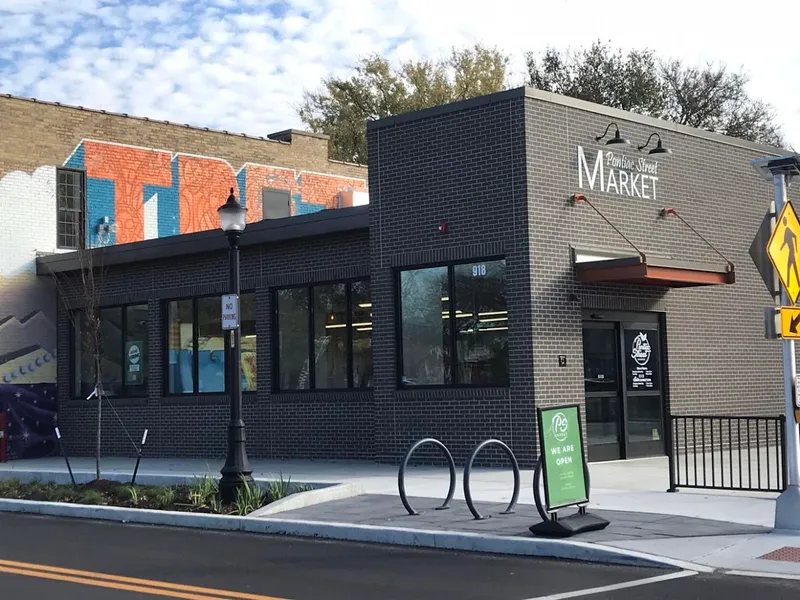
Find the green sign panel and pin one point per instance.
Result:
(561, 443)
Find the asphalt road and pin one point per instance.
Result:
(42, 557)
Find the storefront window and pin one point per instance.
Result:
(481, 323)
(210, 346)
(197, 348)
(180, 345)
(248, 325)
(456, 311)
(361, 308)
(119, 340)
(425, 306)
(340, 338)
(293, 339)
(330, 336)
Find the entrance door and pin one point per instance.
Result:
(643, 399)
(623, 386)
(603, 389)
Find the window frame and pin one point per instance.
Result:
(312, 375)
(288, 202)
(452, 344)
(82, 220)
(123, 331)
(195, 337)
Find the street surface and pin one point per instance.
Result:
(43, 557)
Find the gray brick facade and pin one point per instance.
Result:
(499, 171)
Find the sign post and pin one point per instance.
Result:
(783, 250)
(566, 476)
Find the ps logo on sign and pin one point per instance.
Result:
(560, 426)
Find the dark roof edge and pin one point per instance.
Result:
(444, 109)
(617, 113)
(536, 94)
(324, 222)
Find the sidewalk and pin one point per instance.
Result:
(724, 530)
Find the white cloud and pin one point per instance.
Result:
(218, 63)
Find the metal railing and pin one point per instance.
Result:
(727, 453)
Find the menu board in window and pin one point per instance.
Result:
(642, 360)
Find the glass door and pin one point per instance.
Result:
(644, 419)
(603, 390)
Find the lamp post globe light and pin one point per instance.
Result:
(237, 470)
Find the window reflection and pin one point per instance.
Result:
(248, 333)
(330, 336)
(340, 337)
(293, 346)
(362, 333)
(210, 346)
(180, 344)
(481, 322)
(117, 340)
(425, 306)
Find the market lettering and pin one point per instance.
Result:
(620, 174)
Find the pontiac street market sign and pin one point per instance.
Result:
(617, 173)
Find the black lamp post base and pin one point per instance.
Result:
(237, 471)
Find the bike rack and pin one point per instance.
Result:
(401, 474)
(514, 465)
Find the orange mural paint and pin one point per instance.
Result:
(130, 169)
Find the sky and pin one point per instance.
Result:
(242, 65)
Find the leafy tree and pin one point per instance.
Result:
(708, 97)
(377, 90)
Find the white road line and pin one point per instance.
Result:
(616, 586)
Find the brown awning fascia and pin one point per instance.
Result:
(642, 271)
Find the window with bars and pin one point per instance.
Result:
(71, 203)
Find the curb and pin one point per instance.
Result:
(398, 536)
(310, 498)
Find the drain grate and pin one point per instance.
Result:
(786, 554)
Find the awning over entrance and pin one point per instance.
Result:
(594, 266)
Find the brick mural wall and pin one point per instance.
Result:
(151, 179)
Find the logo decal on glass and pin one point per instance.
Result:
(641, 349)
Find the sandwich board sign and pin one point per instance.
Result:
(566, 477)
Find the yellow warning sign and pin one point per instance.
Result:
(783, 250)
(790, 322)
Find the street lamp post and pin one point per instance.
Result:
(237, 470)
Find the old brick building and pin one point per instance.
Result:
(73, 178)
(471, 289)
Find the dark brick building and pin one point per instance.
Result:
(472, 289)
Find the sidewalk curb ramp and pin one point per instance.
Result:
(399, 536)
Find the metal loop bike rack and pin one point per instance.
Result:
(514, 465)
(537, 481)
(401, 474)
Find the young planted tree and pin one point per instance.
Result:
(80, 293)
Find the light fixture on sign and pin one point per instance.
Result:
(658, 150)
(617, 140)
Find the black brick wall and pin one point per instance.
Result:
(500, 173)
(299, 425)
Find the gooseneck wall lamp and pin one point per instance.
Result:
(658, 150)
(617, 140)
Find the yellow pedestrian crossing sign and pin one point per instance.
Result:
(784, 250)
